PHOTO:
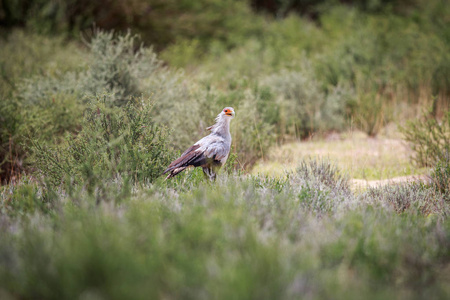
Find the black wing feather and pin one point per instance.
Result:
(190, 157)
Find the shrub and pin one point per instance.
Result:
(429, 139)
(114, 67)
(369, 111)
(252, 135)
(50, 104)
(25, 55)
(412, 198)
(113, 142)
(159, 22)
(384, 59)
(304, 107)
(177, 106)
(11, 154)
(441, 176)
(24, 197)
(240, 237)
(321, 187)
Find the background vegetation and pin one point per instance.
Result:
(97, 98)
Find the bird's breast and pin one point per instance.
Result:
(224, 160)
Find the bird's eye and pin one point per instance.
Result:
(225, 110)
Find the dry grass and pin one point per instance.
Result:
(358, 155)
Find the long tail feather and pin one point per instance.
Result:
(175, 172)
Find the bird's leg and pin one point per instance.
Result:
(209, 174)
(213, 176)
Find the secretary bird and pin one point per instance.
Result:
(211, 152)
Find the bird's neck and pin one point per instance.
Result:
(222, 127)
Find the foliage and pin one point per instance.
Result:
(117, 66)
(24, 197)
(160, 22)
(48, 97)
(429, 138)
(287, 77)
(368, 112)
(98, 223)
(241, 237)
(303, 106)
(114, 67)
(25, 55)
(382, 61)
(441, 176)
(34, 54)
(252, 134)
(113, 142)
(411, 198)
(321, 188)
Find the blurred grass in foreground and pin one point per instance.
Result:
(242, 237)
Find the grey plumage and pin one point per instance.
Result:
(211, 152)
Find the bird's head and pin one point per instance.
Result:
(228, 111)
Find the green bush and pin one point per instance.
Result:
(113, 142)
(24, 55)
(160, 22)
(441, 176)
(177, 106)
(413, 198)
(48, 97)
(383, 61)
(429, 139)
(304, 107)
(252, 135)
(369, 111)
(114, 66)
(241, 237)
(321, 187)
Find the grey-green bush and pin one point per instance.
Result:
(441, 176)
(24, 55)
(113, 142)
(321, 187)
(113, 66)
(412, 197)
(304, 107)
(241, 237)
(429, 139)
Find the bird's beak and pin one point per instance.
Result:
(230, 113)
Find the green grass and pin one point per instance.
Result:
(357, 155)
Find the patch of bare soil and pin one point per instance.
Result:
(361, 183)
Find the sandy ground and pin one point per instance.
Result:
(361, 183)
(368, 161)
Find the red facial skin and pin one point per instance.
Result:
(228, 112)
